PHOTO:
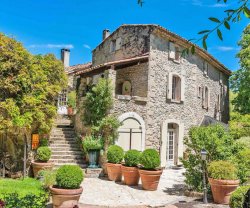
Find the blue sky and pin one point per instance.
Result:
(45, 26)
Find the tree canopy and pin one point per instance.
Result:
(240, 80)
(28, 87)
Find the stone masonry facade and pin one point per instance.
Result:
(151, 83)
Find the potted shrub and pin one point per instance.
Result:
(115, 156)
(92, 147)
(223, 180)
(71, 102)
(67, 188)
(42, 157)
(129, 169)
(150, 172)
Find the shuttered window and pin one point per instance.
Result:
(176, 88)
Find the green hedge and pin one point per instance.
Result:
(115, 154)
(23, 193)
(238, 196)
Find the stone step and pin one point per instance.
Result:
(62, 138)
(82, 165)
(64, 149)
(63, 142)
(66, 157)
(62, 135)
(62, 161)
(69, 152)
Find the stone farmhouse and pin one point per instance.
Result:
(158, 94)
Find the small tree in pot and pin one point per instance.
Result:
(150, 173)
(223, 180)
(67, 188)
(115, 156)
(129, 169)
(42, 157)
(71, 102)
(92, 147)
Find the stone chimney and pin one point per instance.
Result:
(65, 56)
(105, 34)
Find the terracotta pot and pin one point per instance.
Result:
(70, 110)
(150, 179)
(37, 166)
(222, 189)
(131, 175)
(64, 198)
(114, 171)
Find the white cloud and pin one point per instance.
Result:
(226, 48)
(219, 5)
(70, 46)
(201, 4)
(86, 46)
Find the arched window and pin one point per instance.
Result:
(176, 88)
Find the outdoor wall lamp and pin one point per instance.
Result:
(203, 158)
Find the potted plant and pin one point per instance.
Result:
(150, 172)
(92, 147)
(67, 188)
(71, 102)
(115, 156)
(42, 157)
(129, 169)
(223, 180)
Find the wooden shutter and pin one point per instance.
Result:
(169, 92)
(171, 50)
(182, 89)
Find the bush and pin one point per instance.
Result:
(92, 143)
(23, 193)
(238, 196)
(43, 154)
(72, 99)
(242, 162)
(47, 177)
(244, 141)
(44, 142)
(218, 144)
(69, 177)
(132, 158)
(150, 159)
(223, 170)
(115, 154)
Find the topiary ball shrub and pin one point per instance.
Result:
(69, 177)
(43, 154)
(150, 159)
(238, 197)
(115, 154)
(132, 158)
(222, 170)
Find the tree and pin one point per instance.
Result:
(240, 80)
(28, 87)
(231, 16)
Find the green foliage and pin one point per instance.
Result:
(21, 187)
(150, 159)
(245, 141)
(43, 154)
(242, 162)
(238, 196)
(132, 158)
(69, 177)
(92, 143)
(115, 154)
(72, 99)
(29, 200)
(241, 78)
(223, 170)
(43, 142)
(239, 125)
(28, 87)
(47, 177)
(218, 144)
(98, 101)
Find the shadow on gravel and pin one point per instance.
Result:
(177, 190)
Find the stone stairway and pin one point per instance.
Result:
(64, 146)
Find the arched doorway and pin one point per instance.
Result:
(172, 142)
(132, 132)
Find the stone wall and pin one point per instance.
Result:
(134, 41)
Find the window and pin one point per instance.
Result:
(62, 98)
(205, 98)
(174, 52)
(176, 88)
(205, 68)
(112, 46)
(199, 92)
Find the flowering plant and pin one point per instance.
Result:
(2, 204)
